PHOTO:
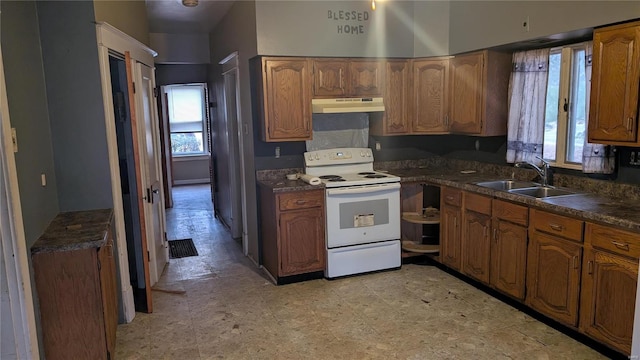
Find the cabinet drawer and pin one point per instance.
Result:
(557, 225)
(301, 200)
(617, 241)
(478, 203)
(507, 211)
(452, 196)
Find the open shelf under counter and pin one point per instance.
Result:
(429, 216)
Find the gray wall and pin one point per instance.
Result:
(481, 24)
(431, 28)
(25, 83)
(190, 171)
(181, 74)
(76, 111)
(237, 32)
(180, 48)
(303, 28)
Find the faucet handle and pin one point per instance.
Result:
(544, 162)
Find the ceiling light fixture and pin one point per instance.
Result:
(373, 4)
(190, 3)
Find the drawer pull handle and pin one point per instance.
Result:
(556, 227)
(575, 262)
(449, 198)
(301, 202)
(630, 124)
(495, 235)
(619, 245)
(590, 267)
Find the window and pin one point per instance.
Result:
(187, 119)
(566, 104)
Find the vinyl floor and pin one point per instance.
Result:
(230, 310)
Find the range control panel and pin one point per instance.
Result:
(338, 156)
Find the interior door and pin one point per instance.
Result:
(152, 173)
(231, 115)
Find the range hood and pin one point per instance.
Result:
(346, 105)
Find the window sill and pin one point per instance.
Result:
(197, 157)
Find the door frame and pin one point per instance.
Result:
(13, 243)
(111, 39)
(230, 65)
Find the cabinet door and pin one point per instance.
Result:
(330, 78)
(467, 93)
(476, 245)
(106, 267)
(431, 96)
(287, 91)
(608, 298)
(614, 85)
(302, 246)
(553, 277)
(450, 242)
(366, 77)
(397, 97)
(509, 258)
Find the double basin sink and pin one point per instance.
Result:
(527, 188)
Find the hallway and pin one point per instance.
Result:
(230, 310)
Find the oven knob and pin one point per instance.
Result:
(361, 153)
(317, 157)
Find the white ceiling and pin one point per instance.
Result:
(170, 16)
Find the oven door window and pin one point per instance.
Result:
(364, 213)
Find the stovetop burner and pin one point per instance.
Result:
(366, 173)
(336, 179)
(375, 176)
(330, 177)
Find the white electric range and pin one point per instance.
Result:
(362, 211)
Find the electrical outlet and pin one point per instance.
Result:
(277, 152)
(526, 24)
(378, 146)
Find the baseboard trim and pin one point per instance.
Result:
(191, 181)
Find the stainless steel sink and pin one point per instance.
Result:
(540, 192)
(507, 184)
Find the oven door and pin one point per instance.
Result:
(363, 214)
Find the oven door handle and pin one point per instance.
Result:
(362, 189)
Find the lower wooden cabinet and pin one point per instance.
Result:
(609, 279)
(553, 277)
(293, 232)
(450, 228)
(509, 248)
(77, 293)
(476, 240)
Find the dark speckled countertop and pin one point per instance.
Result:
(587, 206)
(598, 201)
(75, 230)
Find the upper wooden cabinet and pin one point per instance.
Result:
(396, 119)
(329, 78)
(285, 98)
(613, 114)
(478, 88)
(347, 77)
(431, 96)
(366, 77)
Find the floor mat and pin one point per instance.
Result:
(182, 248)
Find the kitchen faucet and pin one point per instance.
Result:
(545, 172)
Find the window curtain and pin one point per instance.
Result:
(527, 96)
(596, 158)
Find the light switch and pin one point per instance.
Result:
(43, 179)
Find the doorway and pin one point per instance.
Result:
(230, 129)
(128, 182)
